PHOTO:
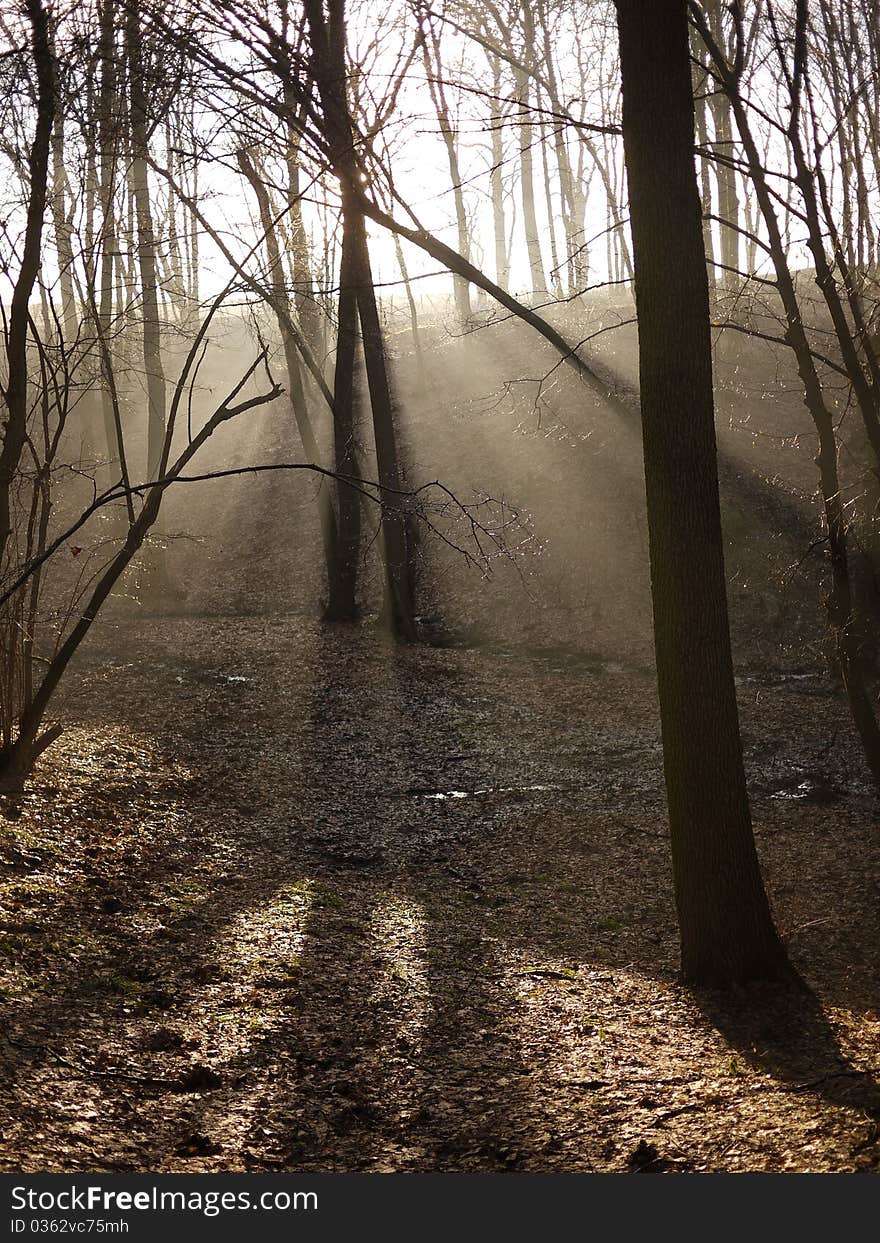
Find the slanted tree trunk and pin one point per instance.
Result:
(727, 933)
(413, 312)
(396, 533)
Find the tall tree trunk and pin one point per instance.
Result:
(556, 266)
(343, 603)
(146, 243)
(727, 932)
(63, 236)
(701, 87)
(497, 180)
(434, 73)
(499, 224)
(304, 299)
(108, 140)
(193, 282)
(570, 193)
(725, 172)
(296, 390)
(174, 288)
(15, 394)
(329, 66)
(527, 184)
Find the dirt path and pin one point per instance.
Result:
(291, 899)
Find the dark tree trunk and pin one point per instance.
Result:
(727, 932)
(15, 394)
(329, 66)
(343, 604)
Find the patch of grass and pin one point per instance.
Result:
(125, 985)
(610, 923)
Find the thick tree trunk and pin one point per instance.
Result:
(328, 46)
(727, 932)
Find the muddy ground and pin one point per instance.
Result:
(287, 897)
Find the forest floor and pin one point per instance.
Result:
(287, 898)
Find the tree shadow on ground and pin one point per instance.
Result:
(477, 982)
(786, 1034)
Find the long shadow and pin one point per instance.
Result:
(452, 1089)
(476, 1098)
(388, 1033)
(395, 1037)
(418, 1019)
(116, 969)
(786, 1034)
